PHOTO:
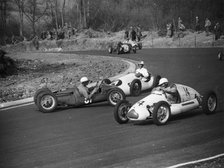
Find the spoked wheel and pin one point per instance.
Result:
(121, 110)
(114, 96)
(135, 87)
(161, 113)
(209, 103)
(46, 102)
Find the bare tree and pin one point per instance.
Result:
(34, 10)
(3, 9)
(63, 13)
(20, 5)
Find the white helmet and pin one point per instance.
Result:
(141, 63)
(162, 81)
(84, 79)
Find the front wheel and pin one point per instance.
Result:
(47, 102)
(135, 87)
(121, 110)
(209, 102)
(161, 113)
(114, 96)
(39, 91)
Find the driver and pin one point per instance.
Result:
(169, 89)
(84, 90)
(142, 72)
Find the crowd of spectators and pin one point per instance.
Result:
(133, 34)
(61, 33)
(198, 27)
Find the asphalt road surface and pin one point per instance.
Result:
(90, 137)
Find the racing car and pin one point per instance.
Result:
(132, 85)
(47, 100)
(156, 107)
(122, 48)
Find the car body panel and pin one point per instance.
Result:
(189, 100)
(127, 79)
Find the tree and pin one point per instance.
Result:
(3, 10)
(63, 13)
(34, 10)
(20, 5)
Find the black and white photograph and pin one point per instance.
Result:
(111, 83)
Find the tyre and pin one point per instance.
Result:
(118, 51)
(46, 102)
(161, 113)
(42, 90)
(110, 50)
(134, 50)
(156, 81)
(115, 95)
(140, 46)
(135, 87)
(209, 102)
(120, 111)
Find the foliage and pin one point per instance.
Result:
(109, 15)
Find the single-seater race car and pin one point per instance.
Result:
(122, 48)
(132, 85)
(47, 100)
(156, 107)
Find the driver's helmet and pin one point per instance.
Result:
(163, 81)
(84, 79)
(141, 63)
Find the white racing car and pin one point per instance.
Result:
(133, 85)
(155, 106)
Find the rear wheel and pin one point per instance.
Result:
(42, 90)
(135, 87)
(209, 102)
(114, 96)
(46, 102)
(120, 111)
(161, 113)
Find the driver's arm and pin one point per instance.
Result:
(95, 89)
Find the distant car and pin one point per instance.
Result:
(133, 85)
(122, 48)
(48, 101)
(156, 107)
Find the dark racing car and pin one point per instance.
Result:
(48, 101)
(122, 48)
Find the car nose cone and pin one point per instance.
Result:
(132, 114)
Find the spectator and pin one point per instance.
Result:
(139, 33)
(126, 34)
(132, 34)
(207, 26)
(217, 30)
(197, 25)
(180, 25)
(170, 29)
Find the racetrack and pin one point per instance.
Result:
(90, 137)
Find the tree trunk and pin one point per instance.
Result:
(3, 5)
(63, 13)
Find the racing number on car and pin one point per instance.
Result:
(186, 92)
(88, 101)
